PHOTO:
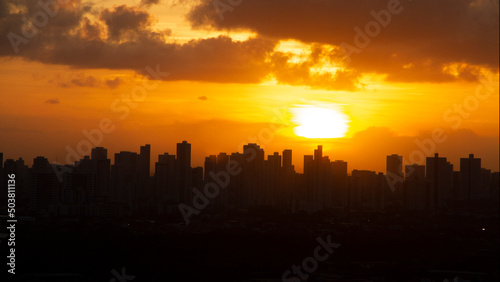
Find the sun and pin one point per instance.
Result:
(326, 121)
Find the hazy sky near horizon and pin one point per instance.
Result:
(391, 72)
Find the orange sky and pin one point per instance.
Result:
(231, 81)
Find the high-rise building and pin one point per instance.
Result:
(166, 178)
(416, 188)
(273, 193)
(146, 189)
(318, 153)
(46, 188)
(184, 154)
(414, 172)
(145, 161)
(253, 174)
(439, 173)
(395, 179)
(287, 162)
(101, 167)
(339, 172)
(470, 178)
(185, 171)
(394, 166)
(125, 173)
(362, 193)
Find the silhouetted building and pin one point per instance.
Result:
(339, 172)
(101, 167)
(165, 180)
(45, 192)
(416, 191)
(253, 172)
(363, 193)
(124, 174)
(145, 171)
(184, 166)
(439, 173)
(470, 178)
(394, 166)
(414, 172)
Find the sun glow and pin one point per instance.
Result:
(325, 121)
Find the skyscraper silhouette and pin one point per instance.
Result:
(184, 166)
(439, 173)
(470, 178)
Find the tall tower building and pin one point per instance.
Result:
(339, 172)
(145, 186)
(185, 171)
(287, 162)
(470, 178)
(101, 167)
(394, 166)
(439, 173)
(184, 154)
(145, 161)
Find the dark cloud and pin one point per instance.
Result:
(89, 81)
(148, 3)
(430, 41)
(203, 98)
(123, 19)
(82, 80)
(113, 83)
(427, 34)
(52, 101)
(123, 38)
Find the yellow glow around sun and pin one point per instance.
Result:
(325, 121)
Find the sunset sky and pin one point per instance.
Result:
(262, 71)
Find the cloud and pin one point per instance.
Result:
(52, 101)
(124, 19)
(80, 79)
(148, 3)
(113, 83)
(301, 73)
(430, 41)
(429, 34)
(203, 98)
(123, 37)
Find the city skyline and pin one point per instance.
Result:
(94, 186)
(250, 140)
(299, 164)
